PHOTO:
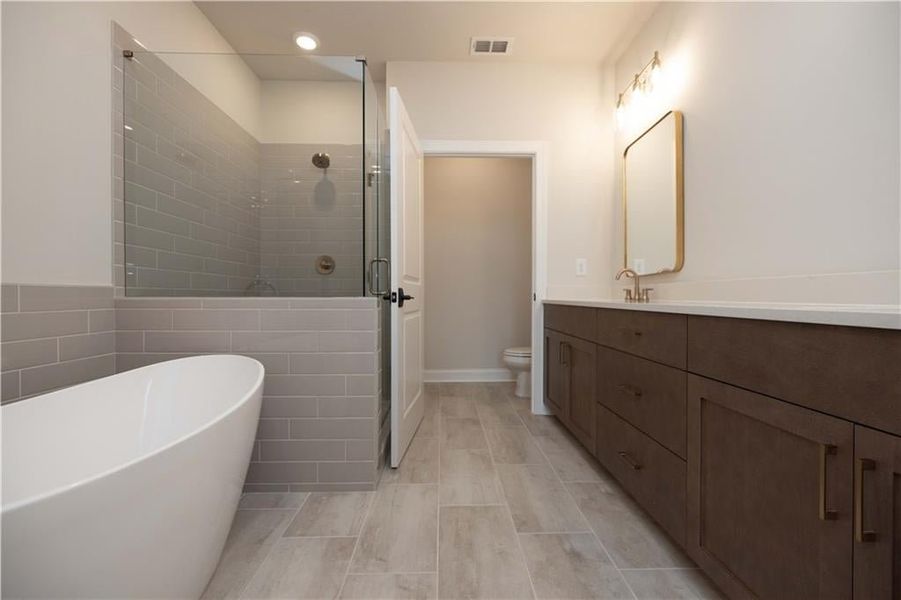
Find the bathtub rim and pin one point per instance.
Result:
(59, 490)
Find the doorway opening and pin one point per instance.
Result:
(478, 246)
(532, 209)
(409, 282)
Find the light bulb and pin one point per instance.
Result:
(620, 112)
(637, 95)
(306, 41)
(656, 72)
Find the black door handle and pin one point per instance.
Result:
(402, 297)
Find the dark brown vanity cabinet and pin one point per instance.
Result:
(556, 377)
(581, 358)
(877, 514)
(648, 395)
(570, 379)
(771, 451)
(769, 494)
(653, 475)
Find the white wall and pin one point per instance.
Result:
(478, 266)
(57, 125)
(561, 104)
(311, 112)
(791, 148)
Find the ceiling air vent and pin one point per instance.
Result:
(493, 46)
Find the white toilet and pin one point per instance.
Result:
(519, 360)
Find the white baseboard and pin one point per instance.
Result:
(437, 375)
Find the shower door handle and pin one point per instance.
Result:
(401, 297)
(374, 274)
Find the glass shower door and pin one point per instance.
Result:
(378, 239)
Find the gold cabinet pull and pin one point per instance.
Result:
(861, 466)
(825, 513)
(627, 458)
(629, 389)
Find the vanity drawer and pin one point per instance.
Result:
(578, 321)
(654, 476)
(648, 395)
(848, 372)
(657, 336)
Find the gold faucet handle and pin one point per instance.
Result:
(645, 296)
(629, 297)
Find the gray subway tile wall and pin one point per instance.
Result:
(319, 426)
(191, 185)
(308, 212)
(201, 207)
(54, 336)
(320, 422)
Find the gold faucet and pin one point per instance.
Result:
(636, 294)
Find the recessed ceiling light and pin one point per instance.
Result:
(306, 41)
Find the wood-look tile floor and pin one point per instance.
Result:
(490, 502)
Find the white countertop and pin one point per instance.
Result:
(852, 315)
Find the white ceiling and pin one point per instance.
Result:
(426, 31)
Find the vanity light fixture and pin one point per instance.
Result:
(306, 41)
(642, 86)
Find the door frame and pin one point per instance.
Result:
(538, 152)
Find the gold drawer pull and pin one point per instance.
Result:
(629, 389)
(825, 513)
(633, 464)
(861, 466)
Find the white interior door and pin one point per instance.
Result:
(407, 402)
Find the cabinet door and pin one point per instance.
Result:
(581, 358)
(556, 375)
(769, 494)
(877, 515)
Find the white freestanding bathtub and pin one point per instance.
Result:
(125, 487)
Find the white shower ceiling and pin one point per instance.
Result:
(427, 31)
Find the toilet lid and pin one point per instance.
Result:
(520, 351)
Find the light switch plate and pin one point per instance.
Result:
(581, 267)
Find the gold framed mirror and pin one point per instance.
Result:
(653, 199)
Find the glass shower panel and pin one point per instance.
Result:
(370, 185)
(244, 175)
(384, 249)
(377, 239)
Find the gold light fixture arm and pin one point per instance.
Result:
(641, 78)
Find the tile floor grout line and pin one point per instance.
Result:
(582, 513)
(391, 572)
(268, 553)
(359, 536)
(472, 505)
(438, 512)
(660, 569)
(299, 508)
(509, 511)
(317, 537)
(272, 546)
